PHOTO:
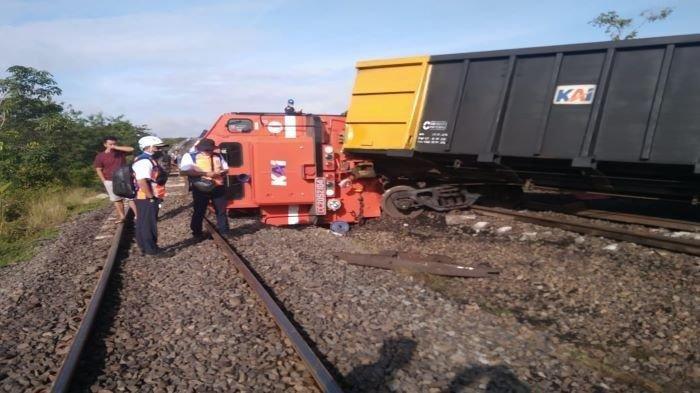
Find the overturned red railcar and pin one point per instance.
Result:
(292, 168)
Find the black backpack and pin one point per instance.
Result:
(123, 183)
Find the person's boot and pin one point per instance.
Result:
(202, 236)
(162, 254)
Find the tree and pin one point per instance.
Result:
(31, 122)
(27, 95)
(173, 141)
(619, 28)
(45, 149)
(43, 144)
(2, 114)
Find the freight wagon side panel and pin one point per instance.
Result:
(529, 101)
(385, 104)
(461, 96)
(629, 99)
(568, 121)
(630, 102)
(676, 136)
(479, 107)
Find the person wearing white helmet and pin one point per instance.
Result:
(150, 178)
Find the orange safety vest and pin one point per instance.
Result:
(157, 190)
(207, 163)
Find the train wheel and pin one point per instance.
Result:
(396, 205)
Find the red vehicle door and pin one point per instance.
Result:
(279, 170)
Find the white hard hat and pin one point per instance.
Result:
(150, 141)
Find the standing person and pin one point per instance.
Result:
(289, 109)
(108, 161)
(205, 164)
(148, 173)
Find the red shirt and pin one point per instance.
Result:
(109, 162)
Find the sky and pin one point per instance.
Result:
(176, 65)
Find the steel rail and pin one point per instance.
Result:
(609, 215)
(70, 362)
(320, 373)
(630, 218)
(691, 247)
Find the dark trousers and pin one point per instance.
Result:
(146, 227)
(200, 203)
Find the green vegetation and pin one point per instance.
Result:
(46, 152)
(619, 28)
(43, 211)
(173, 141)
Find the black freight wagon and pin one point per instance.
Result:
(617, 117)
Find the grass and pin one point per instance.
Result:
(37, 216)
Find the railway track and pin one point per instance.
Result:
(321, 375)
(571, 223)
(357, 318)
(70, 363)
(628, 218)
(616, 216)
(75, 359)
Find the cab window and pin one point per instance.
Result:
(239, 125)
(233, 151)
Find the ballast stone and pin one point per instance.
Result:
(611, 247)
(503, 230)
(459, 218)
(480, 225)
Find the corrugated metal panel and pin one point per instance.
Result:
(616, 116)
(631, 101)
(674, 136)
(386, 102)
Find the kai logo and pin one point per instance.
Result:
(574, 94)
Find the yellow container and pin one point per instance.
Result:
(386, 103)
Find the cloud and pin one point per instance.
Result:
(178, 69)
(194, 98)
(136, 63)
(85, 44)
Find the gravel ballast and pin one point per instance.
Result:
(42, 300)
(567, 312)
(188, 322)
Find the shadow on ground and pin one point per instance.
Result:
(498, 379)
(375, 377)
(397, 353)
(174, 212)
